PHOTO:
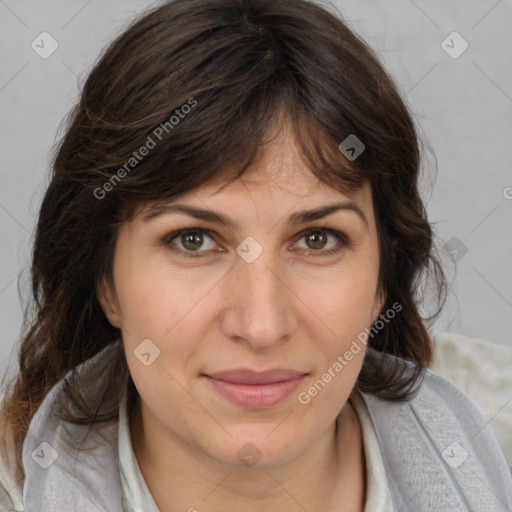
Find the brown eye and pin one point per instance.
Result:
(318, 239)
(188, 241)
(197, 242)
(192, 241)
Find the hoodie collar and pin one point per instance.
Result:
(68, 465)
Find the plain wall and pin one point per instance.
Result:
(463, 106)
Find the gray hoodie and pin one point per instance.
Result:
(438, 452)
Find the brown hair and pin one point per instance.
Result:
(236, 64)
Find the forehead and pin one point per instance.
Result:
(279, 165)
(293, 184)
(238, 205)
(278, 178)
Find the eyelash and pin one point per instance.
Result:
(341, 237)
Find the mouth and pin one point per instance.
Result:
(255, 390)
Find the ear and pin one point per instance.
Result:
(108, 303)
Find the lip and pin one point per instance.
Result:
(254, 390)
(250, 376)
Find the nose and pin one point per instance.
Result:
(259, 308)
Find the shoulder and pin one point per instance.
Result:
(44, 484)
(73, 446)
(439, 444)
(11, 491)
(480, 368)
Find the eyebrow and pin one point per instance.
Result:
(219, 218)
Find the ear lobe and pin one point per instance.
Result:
(108, 303)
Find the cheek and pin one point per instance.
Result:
(345, 299)
(163, 306)
(344, 304)
(153, 297)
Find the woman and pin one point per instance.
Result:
(225, 276)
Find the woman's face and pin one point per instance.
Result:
(256, 296)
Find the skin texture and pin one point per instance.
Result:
(290, 308)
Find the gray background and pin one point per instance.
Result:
(463, 106)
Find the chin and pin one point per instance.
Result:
(255, 451)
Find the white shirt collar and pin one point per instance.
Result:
(135, 494)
